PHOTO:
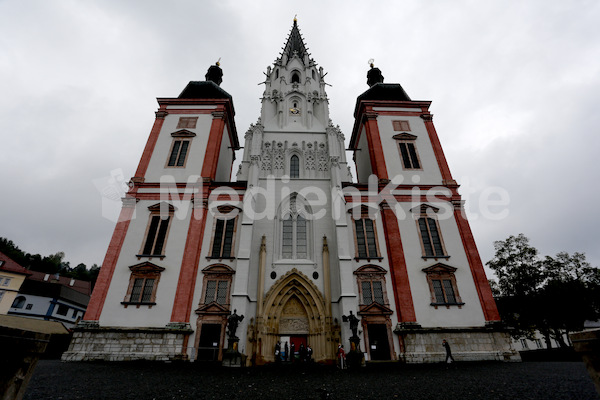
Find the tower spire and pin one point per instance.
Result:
(295, 43)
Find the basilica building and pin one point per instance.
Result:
(290, 240)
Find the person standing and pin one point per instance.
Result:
(309, 353)
(448, 351)
(277, 351)
(341, 356)
(287, 351)
(292, 352)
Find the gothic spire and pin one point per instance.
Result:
(295, 43)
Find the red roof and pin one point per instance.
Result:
(84, 287)
(8, 265)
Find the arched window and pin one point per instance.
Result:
(294, 167)
(19, 302)
(294, 233)
(295, 77)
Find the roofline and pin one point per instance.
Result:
(365, 106)
(227, 103)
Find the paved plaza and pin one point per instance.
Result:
(528, 380)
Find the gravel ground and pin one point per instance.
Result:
(529, 380)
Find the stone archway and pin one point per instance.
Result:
(295, 305)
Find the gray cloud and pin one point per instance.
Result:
(514, 89)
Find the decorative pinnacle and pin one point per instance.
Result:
(218, 63)
(371, 63)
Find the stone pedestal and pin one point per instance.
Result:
(587, 344)
(355, 356)
(232, 357)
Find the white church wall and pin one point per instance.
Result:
(225, 159)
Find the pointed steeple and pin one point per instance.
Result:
(295, 43)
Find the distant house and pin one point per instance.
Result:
(12, 276)
(52, 298)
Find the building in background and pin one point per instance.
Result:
(53, 298)
(12, 276)
(293, 244)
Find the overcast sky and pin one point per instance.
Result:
(515, 89)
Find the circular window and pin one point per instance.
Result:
(315, 275)
(273, 275)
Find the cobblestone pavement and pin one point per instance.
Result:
(529, 380)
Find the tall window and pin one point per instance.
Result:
(442, 285)
(366, 238)
(179, 150)
(371, 283)
(294, 167)
(408, 151)
(224, 233)
(217, 284)
(294, 232)
(143, 284)
(157, 231)
(182, 141)
(429, 231)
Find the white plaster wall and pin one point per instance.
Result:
(362, 160)
(471, 313)
(223, 173)
(429, 173)
(195, 157)
(113, 312)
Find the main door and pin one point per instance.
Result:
(379, 347)
(208, 347)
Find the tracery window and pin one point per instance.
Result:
(294, 232)
(294, 167)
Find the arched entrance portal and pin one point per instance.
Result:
(294, 307)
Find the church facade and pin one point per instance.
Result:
(292, 244)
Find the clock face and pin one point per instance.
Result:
(294, 111)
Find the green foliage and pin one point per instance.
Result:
(553, 295)
(51, 264)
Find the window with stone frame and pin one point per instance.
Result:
(157, 230)
(432, 243)
(143, 284)
(401, 126)
(294, 231)
(224, 229)
(217, 284)
(187, 122)
(371, 285)
(182, 140)
(442, 286)
(365, 236)
(294, 167)
(407, 148)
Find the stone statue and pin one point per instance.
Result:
(232, 323)
(353, 323)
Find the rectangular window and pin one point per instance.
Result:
(366, 242)
(430, 237)
(62, 309)
(301, 237)
(2, 294)
(216, 290)
(223, 238)
(6, 282)
(157, 233)
(372, 292)
(187, 122)
(29, 306)
(408, 153)
(178, 152)
(142, 290)
(443, 291)
(524, 343)
(538, 343)
(401, 125)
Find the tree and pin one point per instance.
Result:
(553, 296)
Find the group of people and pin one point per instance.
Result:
(304, 353)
